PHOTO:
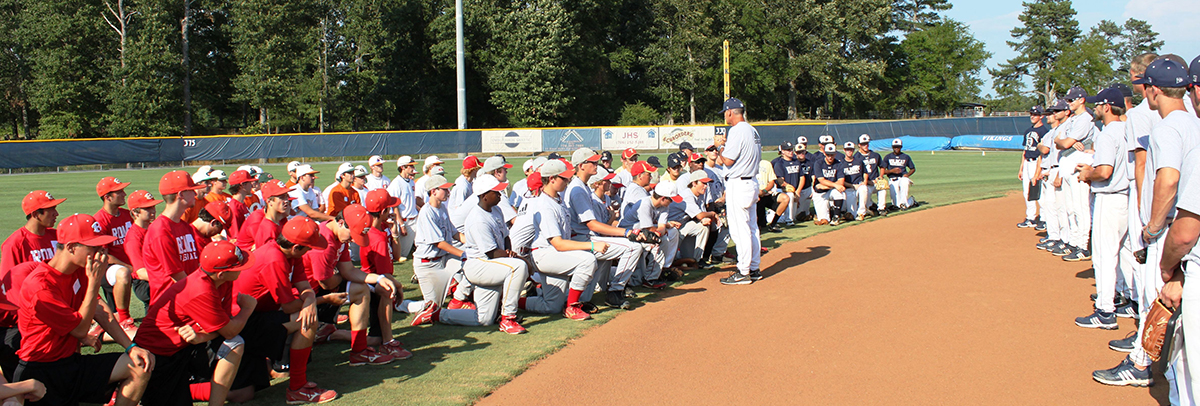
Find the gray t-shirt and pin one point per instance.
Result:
(1138, 123)
(1189, 197)
(551, 219)
(633, 194)
(744, 147)
(433, 226)
(484, 232)
(1078, 127)
(1051, 159)
(402, 189)
(643, 214)
(1111, 151)
(1175, 135)
(579, 204)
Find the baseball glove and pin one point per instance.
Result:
(1155, 329)
(644, 236)
(881, 183)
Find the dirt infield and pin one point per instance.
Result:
(951, 305)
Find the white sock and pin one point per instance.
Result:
(412, 306)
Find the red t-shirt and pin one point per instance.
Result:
(133, 248)
(376, 257)
(48, 312)
(169, 248)
(10, 285)
(267, 231)
(319, 265)
(270, 279)
(240, 212)
(195, 301)
(24, 246)
(245, 235)
(116, 226)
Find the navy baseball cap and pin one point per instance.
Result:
(786, 146)
(1109, 96)
(1037, 111)
(554, 155)
(731, 103)
(1075, 93)
(654, 161)
(686, 145)
(1059, 105)
(673, 160)
(1194, 70)
(606, 156)
(1164, 73)
(1121, 87)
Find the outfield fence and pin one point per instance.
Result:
(978, 132)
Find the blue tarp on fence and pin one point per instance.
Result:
(333, 144)
(1013, 142)
(913, 144)
(26, 154)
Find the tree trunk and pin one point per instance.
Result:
(184, 26)
(263, 124)
(791, 111)
(692, 106)
(691, 88)
(25, 121)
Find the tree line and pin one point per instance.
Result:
(122, 68)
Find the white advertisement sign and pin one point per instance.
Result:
(619, 138)
(504, 141)
(699, 136)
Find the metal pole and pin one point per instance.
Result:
(461, 66)
(725, 46)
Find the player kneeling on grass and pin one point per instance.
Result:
(566, 265)
(325, 269)
(436, 257)
(376, 258)
(857, 194)
(182, 327)
(829, 188)
(496, 273)
(695, 230)
(651, 213)
(56, 307)
(114, 220)
(591, 221)
(280, 312)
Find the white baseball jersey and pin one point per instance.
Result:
(1174, 136)
(381, 182)
(433, 226)
(483, 233)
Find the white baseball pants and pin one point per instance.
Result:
(1049, 205)
(1079, 210)
(1188, 387)
(1028, 167)
(669, 246)
(722, 243)
(1109, 229)
(741, 196)
(693, 237)
(626, 253)
(1132, 244)
(880, 196)
(434, 277)
(1062, 208)
(497, 283)
(1149, 278)
(822, 201)
(899, 190)
(563, 270)
(857, 197)
(404, 243)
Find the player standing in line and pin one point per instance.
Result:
(789, 176)
(566, 265)
(405, 215)
(276, 203)
(342, 193)
(279, 203)
(202, 178)
(171, 249)
(590, 223)
(241, 183)
(116, 221)
(308, 198)
(856, 184)
(431, 164)
(56, 307)
(871, 164)
(376, 180)
(1110, 200)
(829, 188)
(1033, 137)
(1076, 141)
(360, 182)
(1056, 231)
(217, 183)
(899, 167)
(1165, 86)
(741, 152)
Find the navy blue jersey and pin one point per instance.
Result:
(787, 170)
(1033, 137)
(805, 170)
(831, 172)
(855, 170)
(901, 160)
(871, 162)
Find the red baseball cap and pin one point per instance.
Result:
(641, 167)
(303, 231)
(694, 157)
(358, 221)
(220, 211)
(141, 199)
(108, 185)
(276, 188)
(176, 181)
(82, 228)
(471, 162)
(224, 256)
(240, 177)
(379, 199)
(39, 199)
(629, 153)
(534, 181)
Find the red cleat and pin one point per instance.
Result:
(508, 324)
(427, 314)
(370, 357)
(394, 349)
(310, 393)
(574, 311)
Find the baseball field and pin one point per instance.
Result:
(934, 305)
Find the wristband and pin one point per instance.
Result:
(130, 347)
(1160, 231)
(593, 247)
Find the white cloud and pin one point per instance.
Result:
(1174, 20)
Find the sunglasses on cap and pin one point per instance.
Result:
(241, 259)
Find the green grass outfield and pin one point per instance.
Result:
(456, 365)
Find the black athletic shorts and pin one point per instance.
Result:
(140, 288)
(265, 335)
(10, 342)
(327, 313)
(172, 374)
(71, 380)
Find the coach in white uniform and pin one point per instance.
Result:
(742, 150)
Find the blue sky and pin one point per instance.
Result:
(991, 21)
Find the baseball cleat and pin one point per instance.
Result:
(310, 393)
(737, 279)
(395, 349)
(573, 312)
(369, 357)
(589, 307)
(1124, 374)
(655, 284)
(616, 299)
(835, 221)
(756, 275)
(1025, 224)
(1125, 344)
(1128, 310)
(1040, 226)
(460, 304)
(1061, 250)
(1046, 245)
(508, 324)
(1098, 319)
(1074, 256)
(861, 217)
(821, 222)
(427, 314)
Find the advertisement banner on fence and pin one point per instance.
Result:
(570, 139)
(504, 141)
(619, 138)
(699, 136)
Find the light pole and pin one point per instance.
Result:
(460, 65)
